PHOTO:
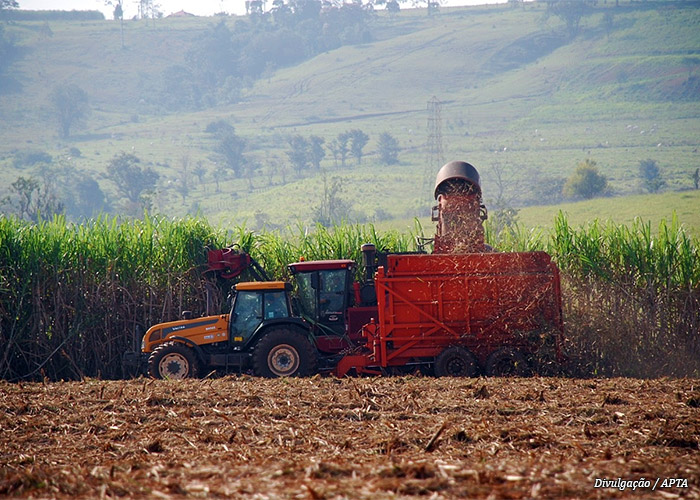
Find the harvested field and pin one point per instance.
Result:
(361, 438)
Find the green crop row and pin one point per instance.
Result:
(631, 294)
(73, 297)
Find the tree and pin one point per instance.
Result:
(281, 13)
(229, 149)
(89, 199)
(388, 148)
(180, 89)
(71, 105)
(118, 14)
(200, 171)
(570, 11)
(23, 189)
(358, 140)
(214, 57)
(182, 177)
(251, 167)
(503, 178)
(299, 153)
(79, 191)
(316, 151)
(339, 150)
(145, 7)
(6, 5)
(393, 7)
(306, 9)
(118, 10)
(132, 182)
(586, 182)
(332, 208)
(31, 200)
(651, 176)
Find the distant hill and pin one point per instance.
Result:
(521, 97)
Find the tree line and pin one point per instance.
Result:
(56, 186)
(226, 59)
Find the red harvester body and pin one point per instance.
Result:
(494, 308)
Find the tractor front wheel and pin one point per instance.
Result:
(173, 360)
(456, 361)
(284, 353)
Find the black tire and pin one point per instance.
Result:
(507, 362)
(456, 361)
(173, 360)
(284, 353)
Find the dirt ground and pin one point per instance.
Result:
(355, 438)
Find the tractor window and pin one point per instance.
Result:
(276, 305)
(332, 291)
(247, 312)
(306, 295)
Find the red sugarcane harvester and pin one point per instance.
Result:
(460, 311)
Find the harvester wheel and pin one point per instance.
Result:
(284, 353)
(173, 360)
(507, 362)
(456, 361)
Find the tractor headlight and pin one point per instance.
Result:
(154, 336)
(150, 337)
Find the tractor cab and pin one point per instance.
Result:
(256, 303)
(324, 294)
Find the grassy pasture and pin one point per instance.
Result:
(617, 98)
(622, 210)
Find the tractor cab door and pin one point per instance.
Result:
(323, 297)
(332, 298)
(254, 304)
(246, 315)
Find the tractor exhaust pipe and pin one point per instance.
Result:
(365, 293)
(369, 256)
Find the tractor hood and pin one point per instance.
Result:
(204, 330)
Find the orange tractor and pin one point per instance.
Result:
(460, 311)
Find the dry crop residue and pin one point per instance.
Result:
(394, 437)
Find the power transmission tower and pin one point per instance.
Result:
(435, 157)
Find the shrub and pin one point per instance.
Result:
(31, 158)
(650, 175)
(586, 182)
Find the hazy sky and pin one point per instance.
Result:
(197, 7)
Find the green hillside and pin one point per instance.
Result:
(521, 99)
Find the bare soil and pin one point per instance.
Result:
(355, 438)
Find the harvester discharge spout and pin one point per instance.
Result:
(459, 212)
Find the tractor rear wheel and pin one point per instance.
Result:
(173, 360)
(456, 361)
(284, 353)
(507, 362)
